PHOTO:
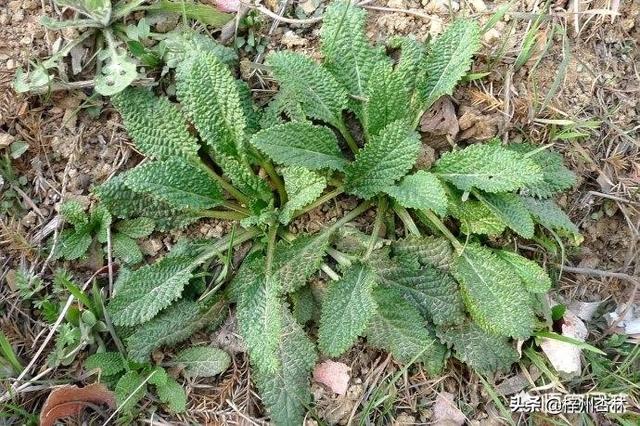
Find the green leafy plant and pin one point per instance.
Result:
(130, 379)
(10, 181)
(119, 48)
(93, 228)
(84, 326)
(251, 39)
(425, 283)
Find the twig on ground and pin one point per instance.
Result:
(397, 10)
(620, 275)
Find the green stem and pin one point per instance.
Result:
(111, 43)
(271, 247)
(330, 272)
(346, 134)
(236, 208)
(380, 213)
(340, 257)
(320, 201)
(223, 214)
(125, 9)
(427, 216)
(363, 207)
(406, 219)
(275, 178)
(242, 199)
(226, 242)
(390, 223)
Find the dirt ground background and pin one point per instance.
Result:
(582, 76)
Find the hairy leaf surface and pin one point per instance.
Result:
(203, 361)
(109, 363)
(548, 214)
(432, 292)
(484, 352)
(157, 126)
(319, 94)
(398, 328)
(129, 390)
(511, 211)
(425, 251)
(489, 167)
(475, 217)
(348, 54)
(384, 160)
(421, 190)
(448, 60)
(387, 99)
(124, 203)
(172, 394)
(259, 313)
(171, 326)
(301, 144)
(136, 228)
(303, 187)
(493, 293)
(176, 182)
(73, 243)
(73, 213)
(534, 278)
(409, 67)
(150, 289)
(209, 94)
(243, 178)
(286, 392)
(125, 248)
(304, 305)
(294, 263)
(556, 177)
(346, 310)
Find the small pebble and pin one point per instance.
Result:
(17, 17)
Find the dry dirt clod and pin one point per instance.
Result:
(5, 140)
(334, 375)
(441, 119)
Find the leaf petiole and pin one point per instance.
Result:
(406, 219)
(346, 134)
(320, 201)
(380, 213)
(427, 216)
(223, 214)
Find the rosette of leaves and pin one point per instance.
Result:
(427, 287)
(94, 227)
(121, 48)
(131, 381)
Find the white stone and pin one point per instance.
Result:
(491, 35)
(478, 5)
(442, 6)
(397, 4)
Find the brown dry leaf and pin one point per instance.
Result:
(441, 119)
(446, 411)
(334, 375)
(70, 400)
